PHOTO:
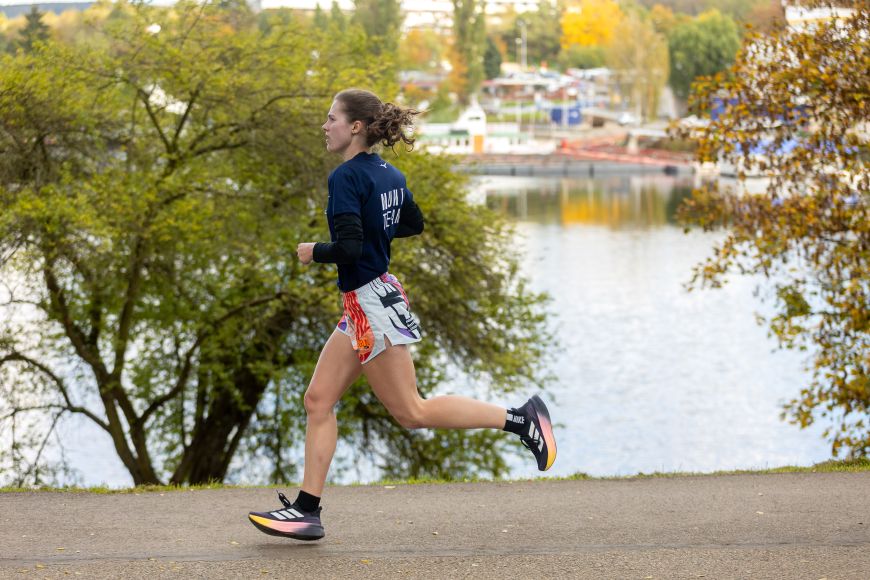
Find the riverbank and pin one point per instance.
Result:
(563, 165)
(572, 165)
(784, 525)
(594, 153)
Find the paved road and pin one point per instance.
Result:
(749, 526)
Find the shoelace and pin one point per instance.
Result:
(531, 443)
(289, 504)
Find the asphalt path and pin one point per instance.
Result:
(808, 525)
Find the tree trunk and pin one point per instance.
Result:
(208, 456)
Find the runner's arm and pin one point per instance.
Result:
(347, 247)
(411, 220)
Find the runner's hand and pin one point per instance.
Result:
(305, 251)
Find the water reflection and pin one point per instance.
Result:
(650, 377)
(618, 201)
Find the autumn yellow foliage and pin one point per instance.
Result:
(590, 22)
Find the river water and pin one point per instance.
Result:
(650, 377)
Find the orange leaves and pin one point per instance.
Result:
(795, 106)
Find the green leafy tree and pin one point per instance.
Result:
(269, 19)
(543, 33)
(640, 57)
(576, 56)
(34, 31)
(469, 45)
(382, 22)
(320, 19)
(795, 107)
(337, 17)
(701, 47)
(151, 195)
(491, 59)
(235, 13)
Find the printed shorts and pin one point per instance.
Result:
(375, 312)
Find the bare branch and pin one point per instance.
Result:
(145, 98)
(35, 464)
(219, 147)
(183, 121)
(75, 334)
(61, 386)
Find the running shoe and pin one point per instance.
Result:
(289, 522)
(539, 438)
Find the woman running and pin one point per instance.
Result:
(369, 204)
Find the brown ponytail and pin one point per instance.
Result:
(385, 123)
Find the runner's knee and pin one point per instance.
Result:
(411, 417)
(316, 404)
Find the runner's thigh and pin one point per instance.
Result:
(337, 367)
(393, 379)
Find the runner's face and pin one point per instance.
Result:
(338, 129)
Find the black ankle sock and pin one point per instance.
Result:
(307, 502)
(516, 422)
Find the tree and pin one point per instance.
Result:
(34, 31)
(469, 45)
(150, 196)
(278, 17)
(68, 25)
(337, 17)
(701, 47)
(319, 18)
(590, 22)
(583, 57)
(543, 30)
(4, 40)
(735, 9)
(794, 106)
(491, 59)
(382, 22)
(421, 49)
(663, 19)
(640, 55)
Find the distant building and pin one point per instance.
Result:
(437, 14)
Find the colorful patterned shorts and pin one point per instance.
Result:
(375, 312)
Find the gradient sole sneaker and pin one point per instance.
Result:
(539, 439)
(289, 522)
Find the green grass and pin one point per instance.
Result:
(846, 466)
(135, 490)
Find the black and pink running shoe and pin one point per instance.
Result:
(289, 522)
(539, 438)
